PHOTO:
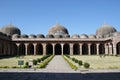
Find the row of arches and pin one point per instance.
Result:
(58, 49)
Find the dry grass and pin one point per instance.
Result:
(96, 62)
(13, 61)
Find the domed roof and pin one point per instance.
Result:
(83, 36)
(75, 36)
(92, 36)
(105, 29)
(40, 36)
(58, 29)
(10, 30)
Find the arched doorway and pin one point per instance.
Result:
(22, 49)
(49, 49)
(30, 49)
(85, 49)
(39, 50)
(118, 48)
(66, 49)
(101, 49)
(93, 49)
(76, 49)
(57, 49)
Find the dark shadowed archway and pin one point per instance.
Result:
(101, 49)
(22, 49)
(118, 48)
(93, 49)
(30, 49)
(49, 49)
(76, 49)
(39, 50)
(66, 49)
(57, 49)
(85, 49)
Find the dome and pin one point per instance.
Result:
(66, 36)
(49, 36)
(10, 30)
(58, 29)
(75, 36)
(40, 36)
(15, 36)
(83, 36)
(24, 36)
(92, 36)
(105, 29)
(58, 36)
(32, 36)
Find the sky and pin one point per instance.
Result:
(78, 16)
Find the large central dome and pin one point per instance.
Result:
(58, 30)
(105, 30)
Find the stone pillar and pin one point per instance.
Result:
(80, 49)
(44, 48)
(62, 48)
(110, 48)
(97, 48)
(35, 44)
(18, 45)
(71, 48)
(89, 49)
(106, 48)
(53, 48)
(26, 48)
(114, 49)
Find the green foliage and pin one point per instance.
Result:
(80, 63)
(39, 60)
(76, 61)
(26, 65)
(71, 64)
(15, 67)
(34, 62)
(73, 59)
(86, 65)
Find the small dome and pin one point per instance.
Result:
(49, 36)
(83, 36)
(24, 36)
(92, 36)
(58, 36)
(10, 30)
(32, 36)
(66, 36)
(40, 36)
(116, 34)
(105, 29)
(58, 29)
(15, 36)
(75, 36)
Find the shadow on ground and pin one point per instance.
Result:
(58, 76)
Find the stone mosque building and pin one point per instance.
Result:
(59, 42)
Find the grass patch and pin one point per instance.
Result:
(96, 62)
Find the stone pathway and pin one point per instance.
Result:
(58, 64)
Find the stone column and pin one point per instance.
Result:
(34, 44)
(53, 48)
(89, 49)
(62, 48)
(114, 49)
(18, 45)
(97, 48)
(26, 48)
(44, 48)
(106, 48)
(110, 48)
(80, 49)
(71, 48)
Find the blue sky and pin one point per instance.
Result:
(78, 16)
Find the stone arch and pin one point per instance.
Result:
(85, 49)
(49, 48)
(1, 48)
(118, 48)
(93, 49)
(21, 49)
(39, 49)
(14, 49)
(57, 49)
(76, 49)
(66, 49)
(30, 49)
(101, 49)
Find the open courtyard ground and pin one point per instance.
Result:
(101, 62)
(13, 61)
